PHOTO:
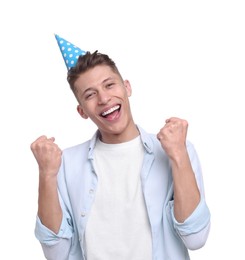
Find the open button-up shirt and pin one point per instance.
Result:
(77, 182)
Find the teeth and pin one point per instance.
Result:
(110, 110)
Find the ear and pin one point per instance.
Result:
(128, 87)
(81, 112)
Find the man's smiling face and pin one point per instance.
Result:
(103, 97)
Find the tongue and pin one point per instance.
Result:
(112, 115)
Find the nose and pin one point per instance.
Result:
(104, 98)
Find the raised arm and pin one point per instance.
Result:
(186, 193)
(48, 156)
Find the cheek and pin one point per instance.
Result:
(90, 109)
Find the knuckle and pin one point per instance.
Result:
(185, 122)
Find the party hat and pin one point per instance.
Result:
(69, 51)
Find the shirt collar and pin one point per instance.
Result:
(144, 136)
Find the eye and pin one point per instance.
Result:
(89, 95)
(109, 85)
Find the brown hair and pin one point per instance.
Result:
(86, 62)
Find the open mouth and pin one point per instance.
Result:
(110, 112)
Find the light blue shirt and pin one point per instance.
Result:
(77, 182)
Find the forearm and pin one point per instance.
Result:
(49, 209)
(186, 192)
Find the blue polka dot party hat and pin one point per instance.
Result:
(70, 52)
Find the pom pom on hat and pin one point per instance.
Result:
(69, 51)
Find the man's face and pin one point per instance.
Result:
(103, 97)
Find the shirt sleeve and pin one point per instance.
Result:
(47, 236)
(55, 246)
(195, 229)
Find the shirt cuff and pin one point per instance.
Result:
(197, 221)
(48, 237)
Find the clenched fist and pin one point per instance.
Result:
(173, 137)
(47, 154)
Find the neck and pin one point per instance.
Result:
(115, 137)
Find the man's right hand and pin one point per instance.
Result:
(48, 155)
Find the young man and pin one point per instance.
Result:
(124, 194)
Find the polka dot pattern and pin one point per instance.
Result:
(69, 51)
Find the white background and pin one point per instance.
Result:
(183, 58)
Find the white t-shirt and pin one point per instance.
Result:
(118, 225)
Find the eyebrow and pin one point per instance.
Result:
(87, 90)
(92, 88)
(107, 79)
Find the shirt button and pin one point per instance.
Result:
(83, 214)
(91, 191)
